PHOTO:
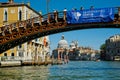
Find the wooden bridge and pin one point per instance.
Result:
(22, 31)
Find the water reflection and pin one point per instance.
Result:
(78, 70)
(24, 73)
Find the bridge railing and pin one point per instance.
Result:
(56, 16)
(44, 19)
(26, 24)
(61, 16)
(41, 20)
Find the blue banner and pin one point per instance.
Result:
(89, 16)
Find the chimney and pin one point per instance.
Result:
(28, 3)
(11, 1)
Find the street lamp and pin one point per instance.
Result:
(47, 5)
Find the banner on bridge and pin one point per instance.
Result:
(89, 16)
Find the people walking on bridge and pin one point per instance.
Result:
(54, 10)
(91, 7)
(75, 9)
(65, 10)
(56, 15)
(40, 12)
(81, 8)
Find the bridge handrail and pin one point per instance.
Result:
(42, 18)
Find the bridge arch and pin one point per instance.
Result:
(51, 23)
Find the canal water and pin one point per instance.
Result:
(74, 70)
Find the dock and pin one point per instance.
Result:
(29, 63)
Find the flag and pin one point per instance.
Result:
(45, 42)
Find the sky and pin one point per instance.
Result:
(88, 37)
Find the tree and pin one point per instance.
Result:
(103, 47)
(103, 52)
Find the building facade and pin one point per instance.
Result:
(83, 53)
(112, 47)
(61, 52)
(74, 52)
(12, 12)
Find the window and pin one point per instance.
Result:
(36, 40)
(20, 54)
(20, 46)
(118, 51)
(26, 14)
(20, 15)
(5, 16)
(12, 55)
(5, 54)
(27, 54)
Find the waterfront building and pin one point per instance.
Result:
(73, 54)
(73, 51)
(32, 50)
(112, 47)
(61, 52)
(13, 12)
(46, 49)
(83, 53)
(74, 44)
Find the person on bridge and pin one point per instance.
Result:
(81, 8)
(92, 7)
(75, 9)
(65, 10)
(56, 15)
(54, 10)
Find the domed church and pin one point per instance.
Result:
(63, 43)
(62, 49)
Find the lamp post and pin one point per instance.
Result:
(47, 5)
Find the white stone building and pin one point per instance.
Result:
(113, 47)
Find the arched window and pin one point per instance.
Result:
(5, 54)
(21, 54)
(26, 14)
(20, 15)
(12, 54)
(5, 16)
(20, 46)
(27, 54)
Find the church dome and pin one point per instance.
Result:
(72, 45)
(63, 43)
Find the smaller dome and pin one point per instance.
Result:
(72, 45)
(63, 43)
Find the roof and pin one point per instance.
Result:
(7, 4)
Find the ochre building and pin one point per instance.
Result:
(12, 12)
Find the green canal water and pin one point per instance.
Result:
(74, 70)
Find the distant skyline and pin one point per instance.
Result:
(93, 38)
(87, 37)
